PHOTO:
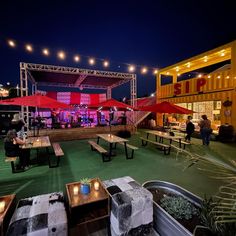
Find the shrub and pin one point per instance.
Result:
(179, 207)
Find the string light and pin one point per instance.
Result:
(29, 48)
(222, 53)
(188, 64)
(144, 70)
(131, 68)
(76, 58)
(106, 63)
(11, 43)
(177, 69)
(45, 52)
(199, 76)
(208, 76)
(205, 59)
(91, 61)
(61, 55)
(155, 72)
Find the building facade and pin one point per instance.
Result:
(212, 93)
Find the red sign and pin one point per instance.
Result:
(180, 88)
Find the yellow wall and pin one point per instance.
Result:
(220, 86)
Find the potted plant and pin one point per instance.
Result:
(175, 210)
(85, 185)
(219, 214)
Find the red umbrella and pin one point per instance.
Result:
(166, 107)
(112, 103)
(36, 100)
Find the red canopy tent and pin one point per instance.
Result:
(36, 100)
(166, 107)
(113, 104)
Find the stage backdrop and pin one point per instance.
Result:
(77, 98)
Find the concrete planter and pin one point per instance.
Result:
(164, 223)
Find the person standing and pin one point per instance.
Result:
(189, 129)
(205, 130)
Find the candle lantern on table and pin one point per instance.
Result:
(2, 206)
(76, 190)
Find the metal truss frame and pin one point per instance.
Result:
(25, 76)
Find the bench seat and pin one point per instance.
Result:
(163, 147)
(133, 148)
(58, 153)
(95, 146)
(182, 143)
(12, 160)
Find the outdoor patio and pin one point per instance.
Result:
(148, 164)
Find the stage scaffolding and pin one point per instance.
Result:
(69, 77)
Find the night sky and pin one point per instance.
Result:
(144, 33)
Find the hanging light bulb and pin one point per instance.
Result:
(29, 48)
(91, 61)
(155, 71)
(144, 70)
(76, 58)
(131, 68)
(11, 43)
(45, 52)
(61, 55)
(105, 63)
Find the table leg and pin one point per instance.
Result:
(180, 142)
(126, 151)
(147, 135)
(110, 150)
(98, 140)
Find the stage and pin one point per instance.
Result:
(68, 134)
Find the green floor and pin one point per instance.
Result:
(79, 161)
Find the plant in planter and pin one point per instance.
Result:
(175, 210)
(179, 207)
(85, 185)
(219, 213)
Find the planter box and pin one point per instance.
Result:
(164, 223)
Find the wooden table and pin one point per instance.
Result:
(163, 135)
(6, 214)
(36, 143)
(88, 208)
(113, 139)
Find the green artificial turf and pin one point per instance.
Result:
(79, 161)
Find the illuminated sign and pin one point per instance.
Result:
(184, 87)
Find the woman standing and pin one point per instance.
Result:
(12, 149)
(189, 129)
(205, 130)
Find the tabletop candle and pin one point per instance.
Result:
(75, 190)
(96, 185)
(2, 206)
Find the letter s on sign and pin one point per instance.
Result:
(177, 89)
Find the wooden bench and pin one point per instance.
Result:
(12, 160)
(163, 147)
(182, 143)
(133, 148)
(97, 147)
(58, 153)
